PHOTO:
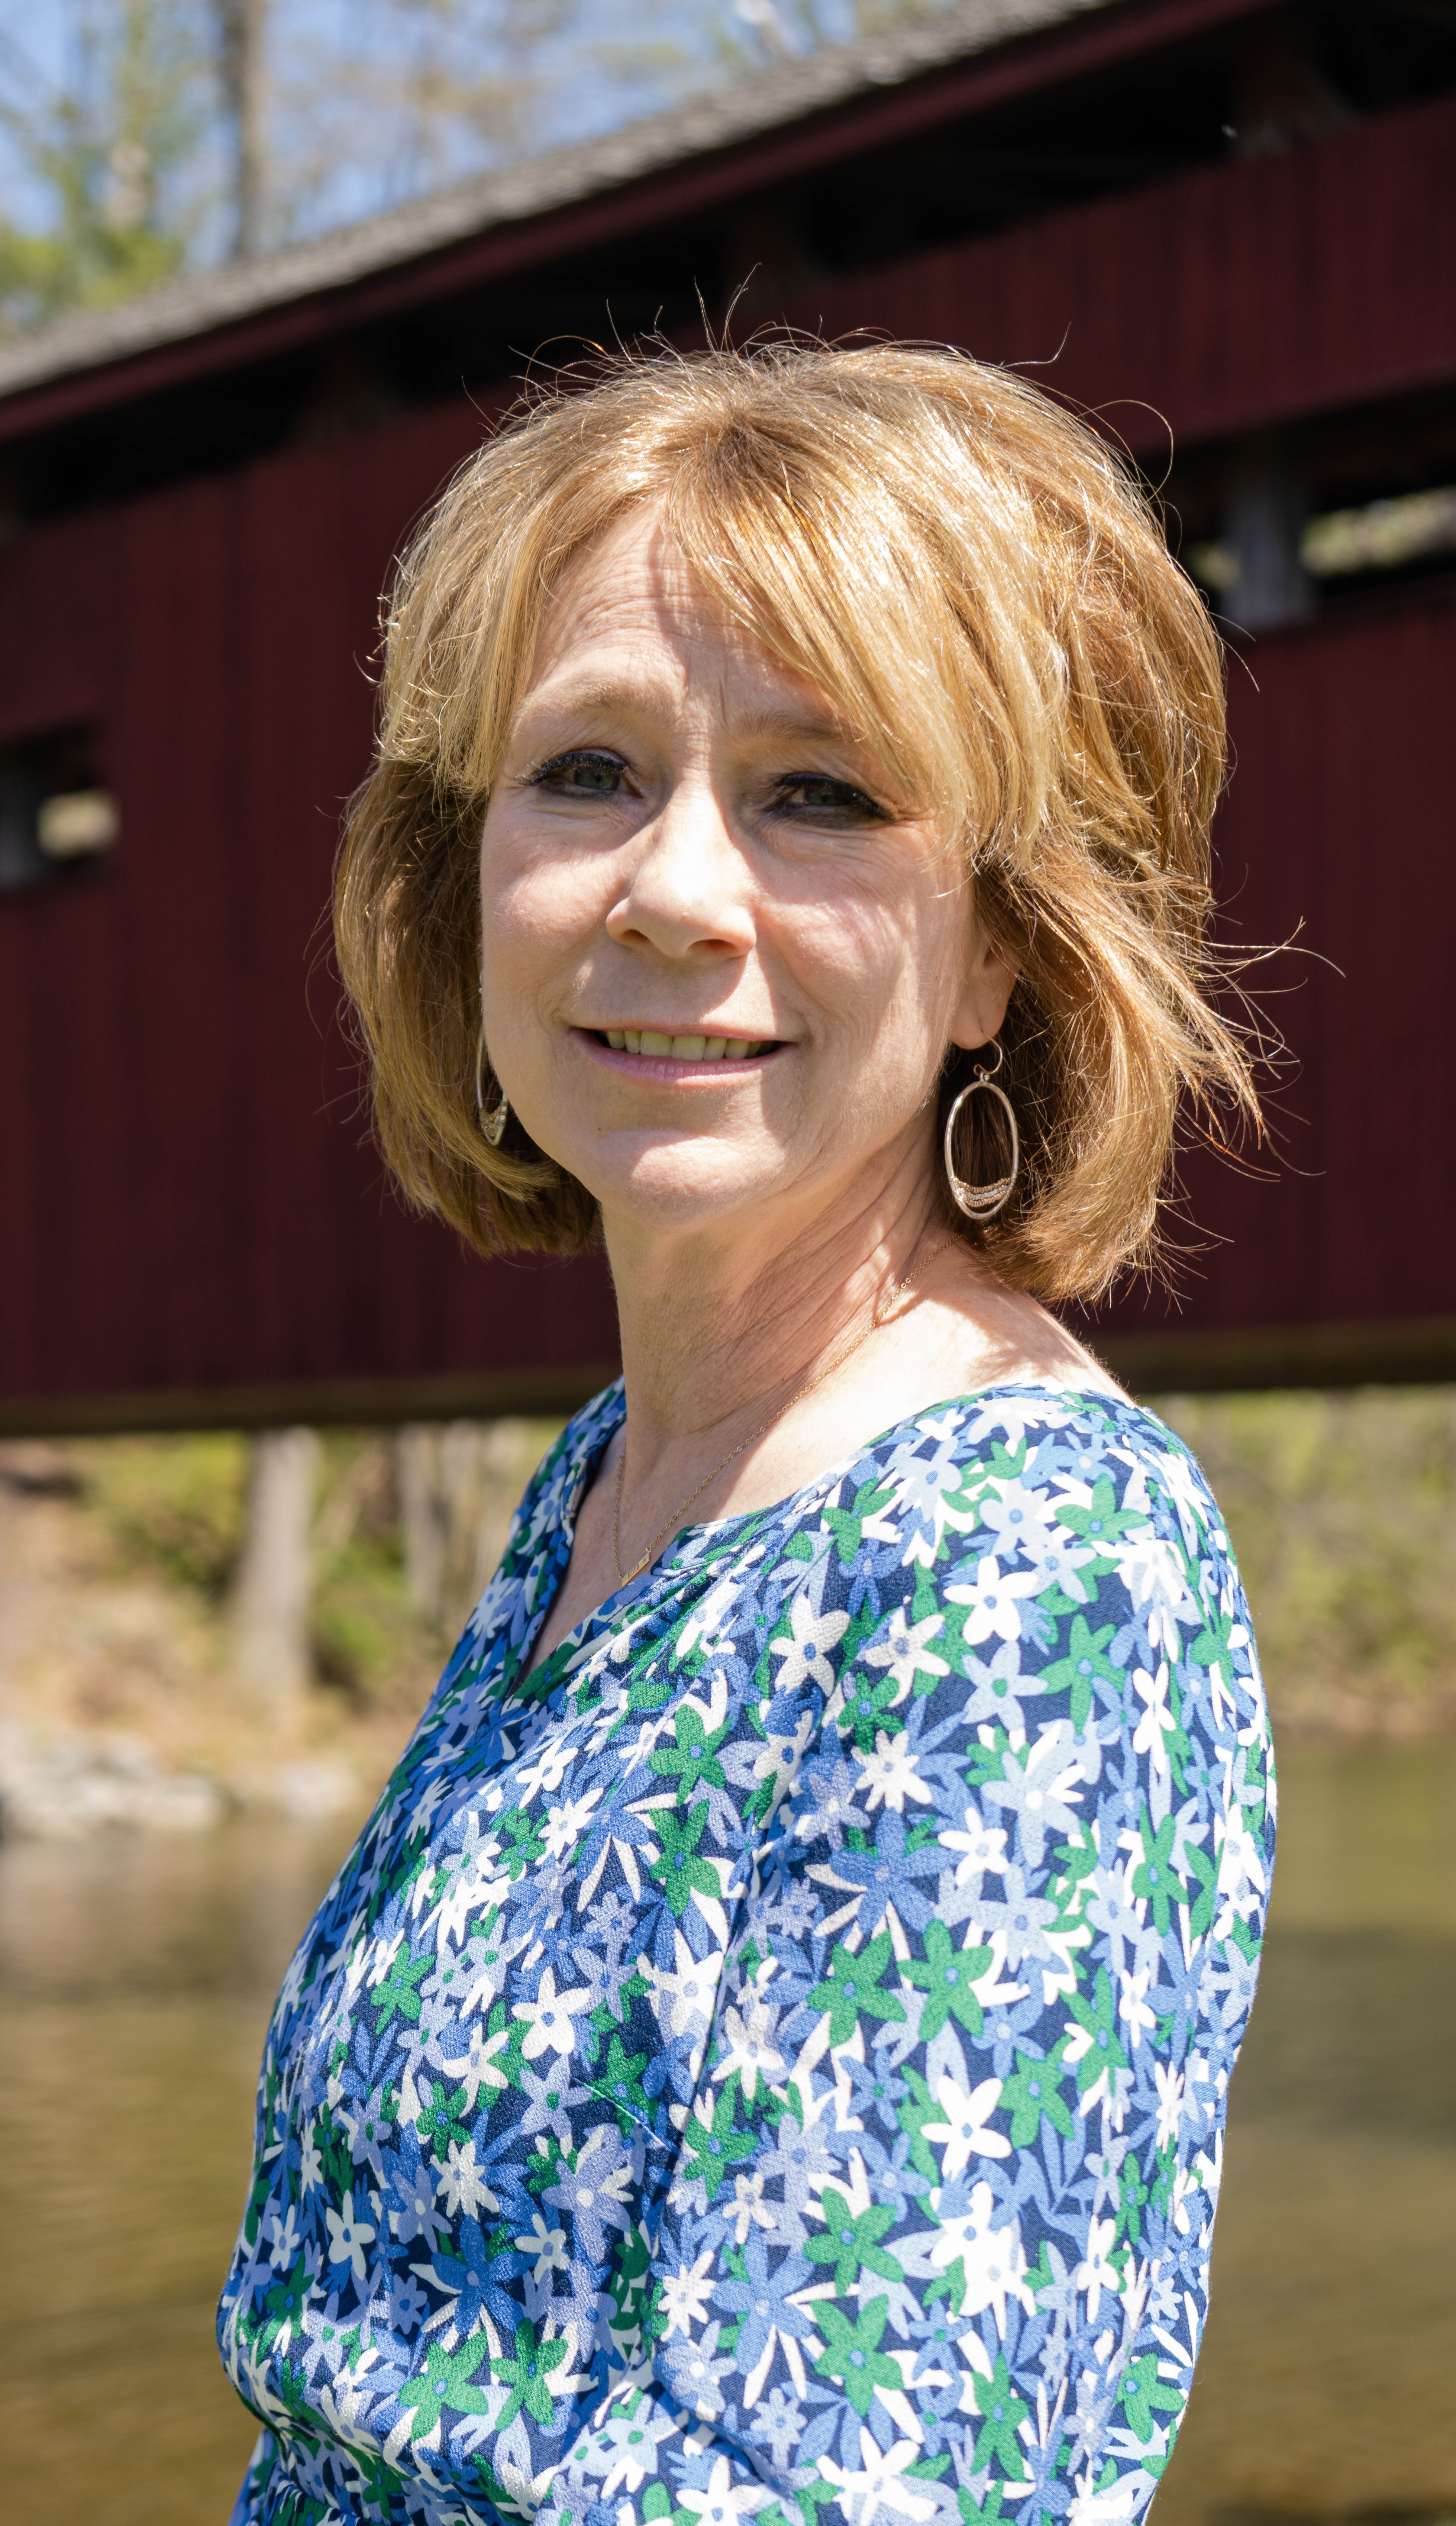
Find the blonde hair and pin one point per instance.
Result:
(985, 596)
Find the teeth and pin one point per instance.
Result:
(683, 1047)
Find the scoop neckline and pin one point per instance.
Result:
(650, 1579)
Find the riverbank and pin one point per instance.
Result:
(119, 1703)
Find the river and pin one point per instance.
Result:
(136, 1978)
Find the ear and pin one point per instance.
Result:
(986, 985)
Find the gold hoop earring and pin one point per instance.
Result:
(983, 1202)
(493, 1124)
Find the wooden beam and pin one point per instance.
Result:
(1247, 1358)
(1419, 1352)
(323, 1403)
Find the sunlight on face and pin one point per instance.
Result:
(722, 964)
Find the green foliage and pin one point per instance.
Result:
(365, 1630)
(174, 1506)
(1341, 1509)
(109, 152)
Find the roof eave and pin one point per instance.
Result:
(761, 129)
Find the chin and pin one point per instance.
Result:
(686, 1185)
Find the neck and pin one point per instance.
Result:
(718, 1325)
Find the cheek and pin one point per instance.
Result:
(882, 970)
(534, 903)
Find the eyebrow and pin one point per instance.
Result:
(606, 697)
(792, 724)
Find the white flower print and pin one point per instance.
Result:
(625, 2445)
(548, 2245)
(283, 2236)
(993, 2259)
(349, 2236)
(476, 2067)
(905, 1651)
(703, 2012)
(994, 1600)
(565, 1825)
(962, 2134)
(683, 1996)
(804, 1655)
(749, 2208)
(879, 2485)
(1041, 1790)
(551, 2017)
(1157, 1723)
(892, 1774)
(1169, 2083)
(982, 1846)
(685, 2294)
(725, 2499)
(749, 2047)
(462, 2186)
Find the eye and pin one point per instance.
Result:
(581, 774)
(817, 798)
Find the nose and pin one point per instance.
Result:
(688, 895)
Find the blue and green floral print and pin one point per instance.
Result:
(773, 2060)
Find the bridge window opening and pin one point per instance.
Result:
(57, 814)
(1404, 536)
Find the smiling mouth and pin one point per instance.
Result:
(684, 1047)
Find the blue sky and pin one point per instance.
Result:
(345, 142)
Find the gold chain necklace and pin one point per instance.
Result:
(878, 1319)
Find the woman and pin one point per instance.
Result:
(767, 2053)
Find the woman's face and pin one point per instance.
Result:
(721, 966)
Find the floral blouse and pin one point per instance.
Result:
(773, 2060)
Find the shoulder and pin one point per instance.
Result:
(1063, 1534)
(1017, 1461)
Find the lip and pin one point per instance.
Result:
(662, 1067)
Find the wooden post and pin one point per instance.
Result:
(272, 1592)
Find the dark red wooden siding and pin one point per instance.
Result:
(1341, 826)
(188, 1199)
(1226, 300)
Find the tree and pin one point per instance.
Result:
(272, 1592)
(177, 132)
(239, 51)
(108, 153)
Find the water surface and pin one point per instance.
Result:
(135, 1981)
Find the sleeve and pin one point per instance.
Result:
(936, 2242)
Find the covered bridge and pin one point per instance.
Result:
(1228, 229)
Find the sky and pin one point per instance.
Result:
(345, 145)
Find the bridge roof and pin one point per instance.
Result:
(766, 125)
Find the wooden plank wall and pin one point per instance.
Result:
(188, 1208)
(189, 1199)
(1223, 301)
